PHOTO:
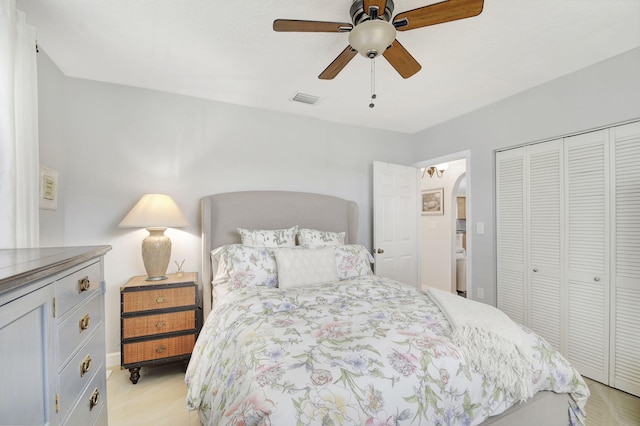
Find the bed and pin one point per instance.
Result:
(302, 332)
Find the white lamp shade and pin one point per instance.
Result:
(371, 38)
(155, 211)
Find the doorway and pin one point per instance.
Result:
(442, 264)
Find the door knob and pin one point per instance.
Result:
(379, 251)
(535, 269)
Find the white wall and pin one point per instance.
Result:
(51, 128)
(603, 94)
(111, 144)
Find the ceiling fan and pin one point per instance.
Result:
(373, 33)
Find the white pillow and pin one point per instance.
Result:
(298, 268)
(269, 237)
(310, 238)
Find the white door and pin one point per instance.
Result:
(587, 237)
(545, 252)
(529, 194)
(395, 222)
(625, 264)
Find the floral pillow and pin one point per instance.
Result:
(241, 266)
(310, 238)
(269, 237)
(298, 268)
(353, 260)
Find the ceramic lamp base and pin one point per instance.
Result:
(156, 253)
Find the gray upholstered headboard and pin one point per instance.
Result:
(223, 213)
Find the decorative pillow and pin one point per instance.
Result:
(298, 268)
(353, 260)
(310, 238)
(269, 237)
(240, 266)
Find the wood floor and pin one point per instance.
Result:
(159, 399)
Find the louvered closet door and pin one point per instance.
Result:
(510, 228)
(587, 237)
(545, 189)
(625, 330)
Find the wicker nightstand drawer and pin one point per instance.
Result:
(159, 321)
(158, 349)
(148, 300)
(158, 324)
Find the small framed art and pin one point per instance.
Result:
(433, 201)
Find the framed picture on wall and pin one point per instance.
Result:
(433, 201)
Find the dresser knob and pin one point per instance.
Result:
(160, 324)
(596, 278)
(83, 284)
(161, 349)
(93, 401)
(85, 321)
(85, 366)
(159, 299)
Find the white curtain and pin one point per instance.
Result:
(19, 159)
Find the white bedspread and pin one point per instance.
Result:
(490, 341)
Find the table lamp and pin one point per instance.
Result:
(156, 213)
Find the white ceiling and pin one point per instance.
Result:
(227, 51)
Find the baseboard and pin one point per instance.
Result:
(113, 360)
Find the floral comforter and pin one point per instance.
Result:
(366, 351)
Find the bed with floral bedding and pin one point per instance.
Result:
(346, 347)
(299, 331)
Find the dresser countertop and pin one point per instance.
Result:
(21, 266)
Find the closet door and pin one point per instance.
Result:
(625, 262)
(544, 236)
(510, 230)
(587, 238)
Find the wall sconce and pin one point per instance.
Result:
(438, 170)
(155, 212)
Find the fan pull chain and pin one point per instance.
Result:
(373, 82)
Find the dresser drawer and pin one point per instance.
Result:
(91, 407)
(156, 324)
(80, 371)
(78, 326)
(77, 287)
(157, 349)
(135, 301)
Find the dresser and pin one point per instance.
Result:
(52, 336)
(159, 321)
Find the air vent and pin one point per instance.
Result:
(305, 99)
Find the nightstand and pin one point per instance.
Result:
(158, 321)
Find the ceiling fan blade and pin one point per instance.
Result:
(338, 64)
(379, 4)
(401, 60)
(293, 25)
(446, 11)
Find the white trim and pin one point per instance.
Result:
(113, 359)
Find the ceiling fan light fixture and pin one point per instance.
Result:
(371, 38)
